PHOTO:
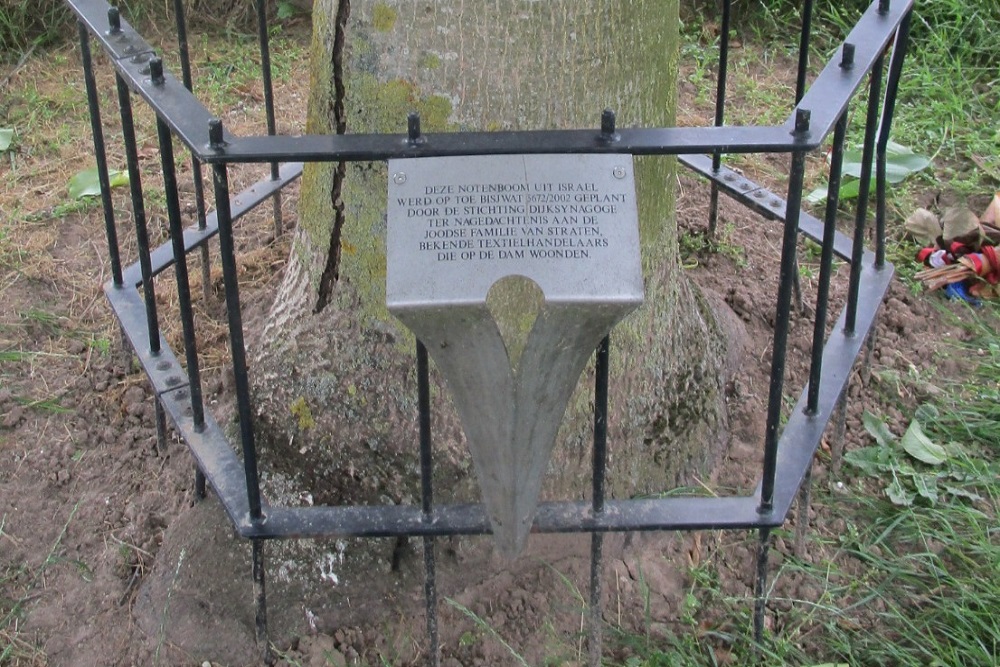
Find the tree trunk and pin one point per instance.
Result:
(335, 374)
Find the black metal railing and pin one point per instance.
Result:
(819, 110)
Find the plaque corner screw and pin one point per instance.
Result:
(399, 178)
(618, 172)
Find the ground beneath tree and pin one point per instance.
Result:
(112, 562)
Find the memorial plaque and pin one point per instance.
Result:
(458, 225)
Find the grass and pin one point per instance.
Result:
(908, 583)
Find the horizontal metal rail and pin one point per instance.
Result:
(789, 445)
(224, 470)
(188, 118)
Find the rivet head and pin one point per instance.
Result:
(618, 172)
(399, 178)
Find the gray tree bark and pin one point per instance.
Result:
(334, 372)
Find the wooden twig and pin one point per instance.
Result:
(20, 63)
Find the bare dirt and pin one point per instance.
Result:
(111, 561)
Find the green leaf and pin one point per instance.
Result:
(927, 412)
(877, 429)
(926, 486)
(900, 162)
(6, 138)
(959, 492)
(922, 448)
(873, 461)
(287, 10)
(817, 196)
(899, 495)
(86, 183)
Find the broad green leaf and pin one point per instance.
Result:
(926, 412)
(900, 162)
(926, 486)
(877, 429)
(87, 184)
(959, 492)
(899, 495)
(117, 178)
(873, 461)
(849, 189)
(817, 196)
(922, 448)
(6, 138)
(286, 10)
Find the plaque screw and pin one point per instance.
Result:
(156, 71)
(114, 21)
(847, 56)
(399, 178)
(618, 172)
(215, 136)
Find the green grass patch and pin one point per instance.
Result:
(907, 580)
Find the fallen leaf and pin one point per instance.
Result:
(992, 211)
(958, 222)
(923, 226)
(922, 448)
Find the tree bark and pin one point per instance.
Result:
(334, 372)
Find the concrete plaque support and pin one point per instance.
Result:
(457, 226)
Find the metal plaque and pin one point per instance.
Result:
(457, 225)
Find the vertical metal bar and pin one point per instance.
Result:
(424, 409)
(885, 127)
(100, 155)
(180, 268)
(600, 462)
(427, 498)
(199, 184)
(867, 155)
(260, 601)
(139, 213)
(600, 456)
(800, 90)
(141, 233)
(199, 484)
(720, 112)
(782, 317)
(220, 178)
(265, 66)
(826, 263)
(760, 587)
(800, 304)
(804, 37)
